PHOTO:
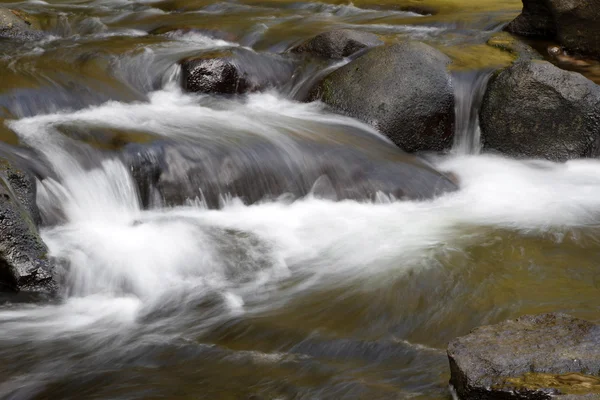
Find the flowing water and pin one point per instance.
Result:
(286, 298)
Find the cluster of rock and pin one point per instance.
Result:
(531, 109)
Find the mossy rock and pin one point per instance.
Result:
(532, 357)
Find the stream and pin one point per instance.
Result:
(285, 298)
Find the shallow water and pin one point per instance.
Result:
(286, 298)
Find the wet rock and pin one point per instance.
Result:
(23, 261)
(15, 25)
(338, 44)
(533, 357)
(234, 71)
(534, 109)
(175, 173)
(403, 90)
(573, 23)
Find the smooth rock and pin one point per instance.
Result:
(14, 26)
(338, 44)
(533, 357)
(536, 110)
(573, 23)
(23, 255)
(234, 71)
(171, 174)
(404, 91)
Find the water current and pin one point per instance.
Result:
(286, 298)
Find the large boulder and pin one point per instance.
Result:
(337, 44)
(574, 23)
(404, 91)
(172, 173)
(23, 255)
(234, 71)
(536, 110)
(15, 25)
(532, 357)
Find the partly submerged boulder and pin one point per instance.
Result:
(533, 357)
(172, 173)
(14, 25)
(234, 71)
(23, 260)
(337, 44)
(573, 23)
(403, 90)
(534, 109)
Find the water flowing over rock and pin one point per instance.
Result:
(173, 173)
(403, 90)
(574, 23)
(234, 71)
(533, 357)
(338, 44)
(534, 109)
(23, 261)
(14, 26)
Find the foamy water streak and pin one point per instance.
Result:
(124, 264)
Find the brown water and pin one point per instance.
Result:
(305, 299)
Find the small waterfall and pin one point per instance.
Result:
(469, 88)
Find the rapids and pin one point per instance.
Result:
(286, 298)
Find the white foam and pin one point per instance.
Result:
(125, 263)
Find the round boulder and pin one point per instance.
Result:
(404, 91)
(574, 23)
(536, 110)
(533, 357)
(234, 71)
(14, 25)
(337, 44)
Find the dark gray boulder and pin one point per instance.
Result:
(234, 71)
(536, 110)
(404, 91)
(15, 26)
(24, 264)
(532, 357)
(337, 44)
(573, 23)
(535, 20)
(172, 173)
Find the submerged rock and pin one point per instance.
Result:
(573, 23)
(171, 173)
(14, 25)
(510, 43)
(403, 90)
(338, 44)
(234, 71)
(532, 357)
(23, 261)
(534, 109)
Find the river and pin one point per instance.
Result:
(306, 298)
